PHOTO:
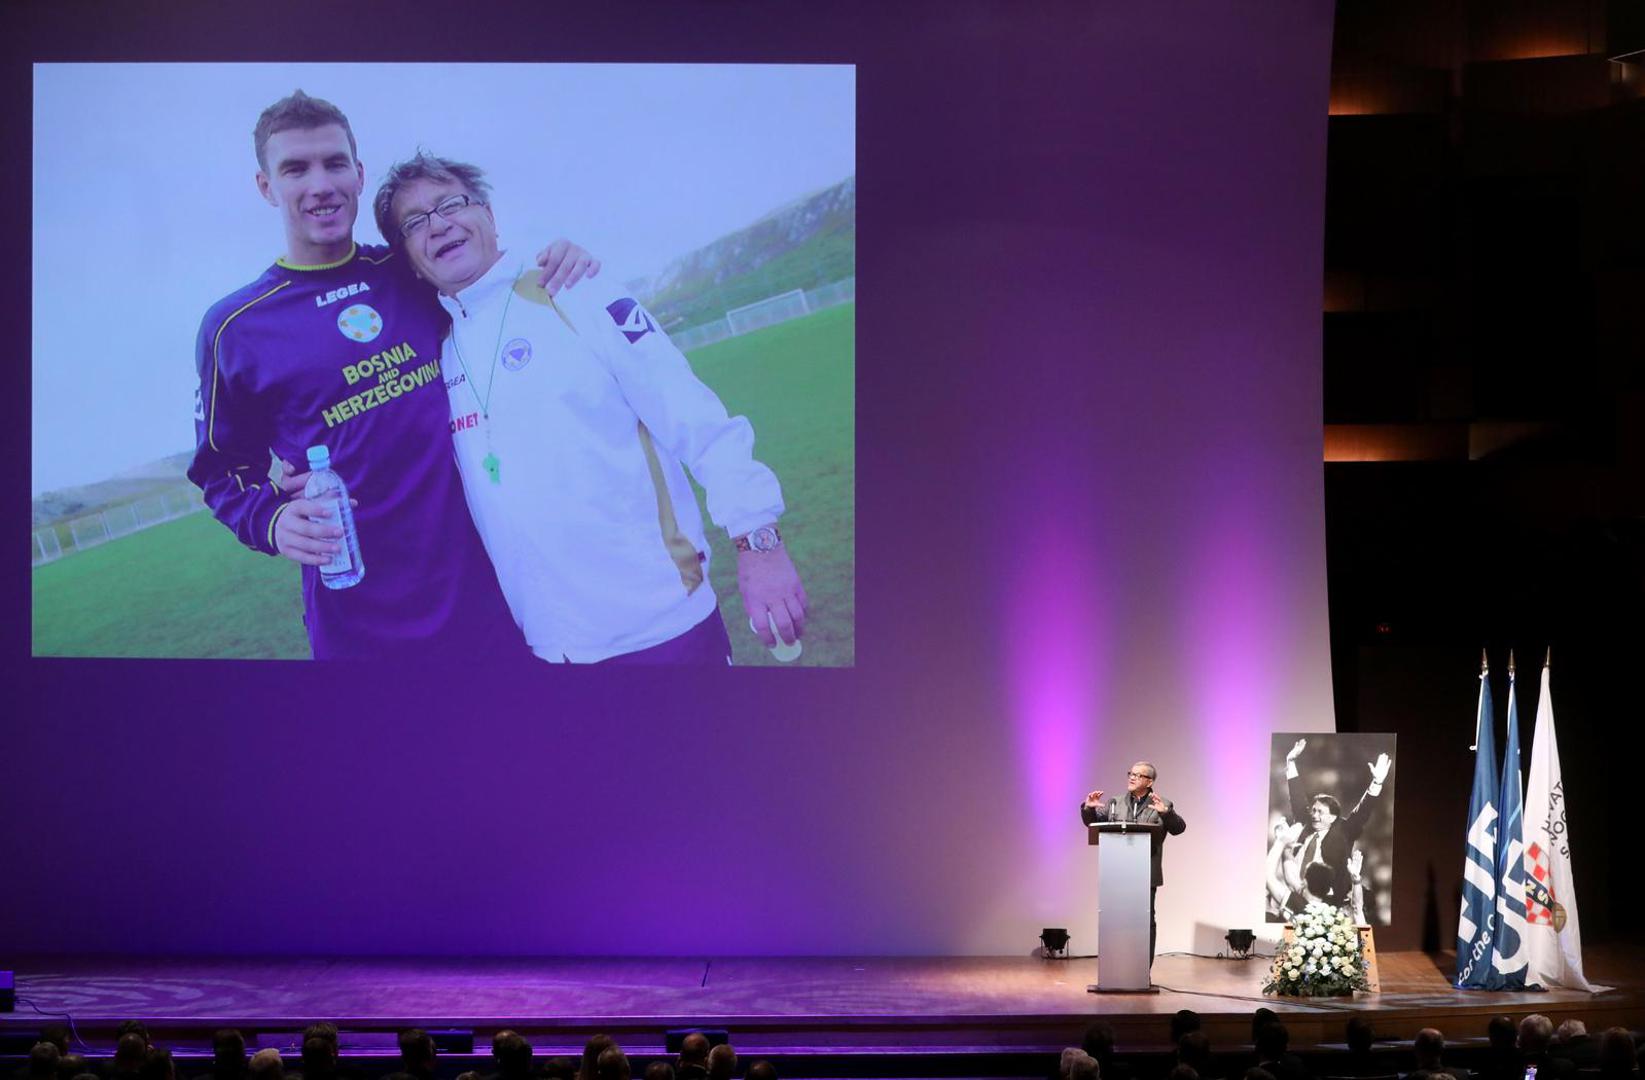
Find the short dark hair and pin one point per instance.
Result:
(512, 1052)
(1098, 1040)
(612, 1064)
(298, 112)
(559, 1068)
(1182, 1072)
(57, 1035)
(1502, 1032)
(1272, 1040)
(129, 1051)
(761, 1070)
(1262, 1015)
(1360, 1035)
(1182, 1022)
(659, 1070)
(43, 1059)
(415, 1045)
(592, 1050)
(1616, 1049)
(319, 1054)
(228, 1043)
(422, 166)
(132, 1027)
(157, 1065)
(1330, 802)
(1317, 877)
(321, 1029)
(1194, 1049)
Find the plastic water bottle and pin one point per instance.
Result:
(782, 652)
(345, 568)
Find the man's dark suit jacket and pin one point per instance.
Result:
(1339, 838)
(1120, 809)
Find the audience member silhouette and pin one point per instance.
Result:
(1099, 1043)
(558, 1068)
(158, 1065)
(660, 1070)
(722, 1062)
(1573, 1043)
(44, 1057)
(417, 1053)
(612, 1064)
(1076, 1064)
(592, 1050)
(1536, 1032)
(266, 1065)
(761, 1070)
(1618, 1058)
(1274, 1053)
(129, 1052)
(512, 1054)
(693, 1063)
(1182, 1022)
(1429, 1049)
(1194, 1051)
(228, 1056)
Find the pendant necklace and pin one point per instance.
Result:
(490, 463)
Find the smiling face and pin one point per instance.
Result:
(315, 182)
(451, 253)
(1321, 814)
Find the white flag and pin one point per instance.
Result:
(1554, 934)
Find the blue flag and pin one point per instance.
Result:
(1476, 925)
(1509, 957)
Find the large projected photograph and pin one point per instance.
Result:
(474, 361)
(1331, 825)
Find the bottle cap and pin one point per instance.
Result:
(319, 458)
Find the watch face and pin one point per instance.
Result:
(763, 538)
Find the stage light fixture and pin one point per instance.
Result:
(1055, 940)
(1240, 942)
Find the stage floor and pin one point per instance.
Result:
(771, 1004)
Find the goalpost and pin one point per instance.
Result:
(768, 312)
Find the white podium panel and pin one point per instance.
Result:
(1124, 880)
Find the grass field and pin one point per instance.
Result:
(188, 589)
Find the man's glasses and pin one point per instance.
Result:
(415, 224)
(1138, 776)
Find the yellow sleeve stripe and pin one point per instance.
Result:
(277, 512)
(216, 344)
(526, 288)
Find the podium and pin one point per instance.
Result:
(1125, 879)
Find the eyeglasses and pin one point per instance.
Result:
(415, 223)
(1138, 776)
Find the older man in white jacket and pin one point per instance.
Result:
(574, 419)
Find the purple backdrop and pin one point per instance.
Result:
(1090, 521)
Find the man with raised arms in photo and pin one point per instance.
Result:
(574, 419)
(337, 344)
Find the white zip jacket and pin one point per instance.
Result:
(588, 412)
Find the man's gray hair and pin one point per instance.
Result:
(1534, 1032)
(1076, 1064)
(1153, 773)
(423, 166)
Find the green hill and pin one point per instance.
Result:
(810, 242)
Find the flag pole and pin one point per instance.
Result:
(1484, 669)
(1510, 663)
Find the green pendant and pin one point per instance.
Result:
(493, 468)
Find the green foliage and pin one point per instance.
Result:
(188, 589)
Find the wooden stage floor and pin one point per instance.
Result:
(770, 1004)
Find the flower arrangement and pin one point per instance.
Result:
(1322, 958)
